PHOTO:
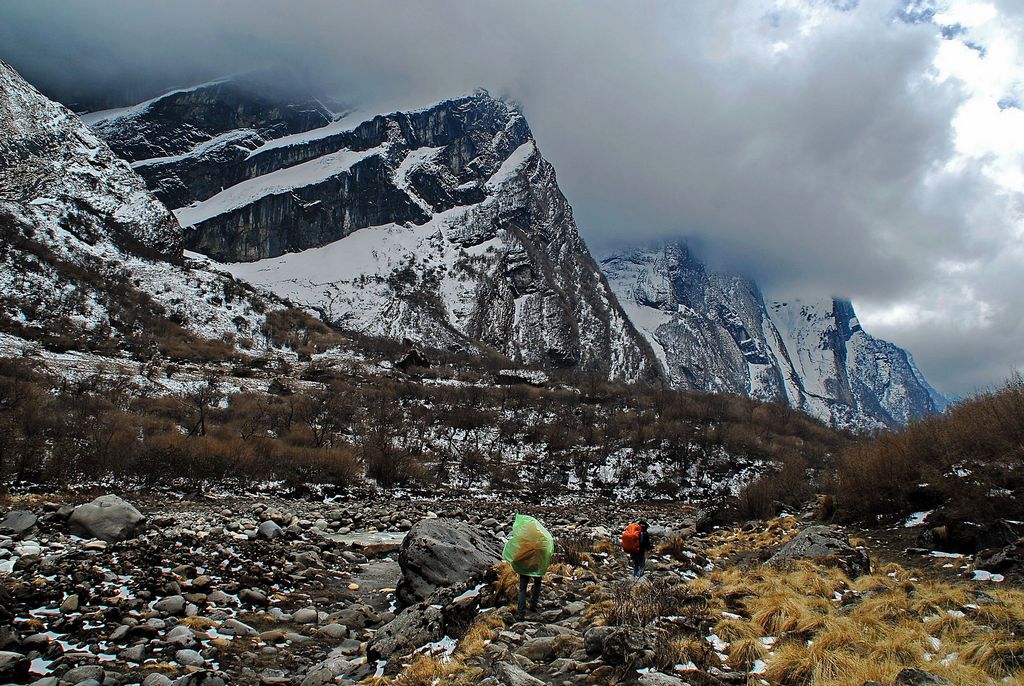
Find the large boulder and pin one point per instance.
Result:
(13, 666)
(108, 518)
(438, 553)
(18, 523)
(448, 612)
(825, 545)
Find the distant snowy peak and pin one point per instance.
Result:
(715, 332)
(443, 224)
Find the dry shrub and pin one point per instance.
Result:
(640, 603)
(574, 550)
(879, 476)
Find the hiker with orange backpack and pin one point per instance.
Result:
(636, 542)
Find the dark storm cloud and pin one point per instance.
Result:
(807, 144)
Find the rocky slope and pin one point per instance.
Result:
(718, 332)
(444, 224)
(269, 591)
(90, 259)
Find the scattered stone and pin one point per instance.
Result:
(171, 605)
(306, 615)
(917, 677)
(13, 666)
(83, 673)
(511, 675)
(189, 658)
(156, 679)
(269, 530)
(659, 679)
(237, 628)
(70, 604)
(18, 523)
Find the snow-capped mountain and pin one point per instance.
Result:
(90, 259)
(717, 332)
(444, 224)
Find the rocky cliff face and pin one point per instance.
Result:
(444, 224)
(717, 332)
(89, 257)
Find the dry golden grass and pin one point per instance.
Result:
(431, 671)
(507, 584)
(197, 623)
(998, 654)
(736, 629)
(794, 663)
(743, 653)
(484, 629)
(902, 620)
(604, 547)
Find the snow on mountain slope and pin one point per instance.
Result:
(443, 224)
(716, 332)
(89, 256)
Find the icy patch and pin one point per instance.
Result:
(982, 575)
(940, 553)
(916, 519)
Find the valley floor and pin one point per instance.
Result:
(259, 590)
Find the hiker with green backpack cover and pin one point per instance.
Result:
(529, 550)
(635, 543)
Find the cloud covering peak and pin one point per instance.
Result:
(866, 149)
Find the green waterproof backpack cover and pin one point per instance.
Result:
(530, 547)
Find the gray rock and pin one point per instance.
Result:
(333, 630)
(356, 616)
(171, 605)
(252, 596)
(189, 658)
(202, 678)
(422, 623)
(135, 653)
(156, 679)
(442, 552)
(108, 518)
(917, 677)
(511, 675)
(13, 665)
(306, 615)
(324, 673)
(18, 523)
(826, 545)
(80, 674)
(659, 679)
(46, 681)
(547, 648)
(237, 628)
(269, 530)
(181, 636)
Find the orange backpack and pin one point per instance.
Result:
(631, 539)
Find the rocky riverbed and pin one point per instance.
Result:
(264, 591)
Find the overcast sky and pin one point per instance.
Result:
(872, 150)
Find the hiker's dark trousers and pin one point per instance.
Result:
(639, 561)
(524, 581)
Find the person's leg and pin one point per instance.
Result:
(634, 560)
(523, 581)
(535, 598)
(641, 565)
